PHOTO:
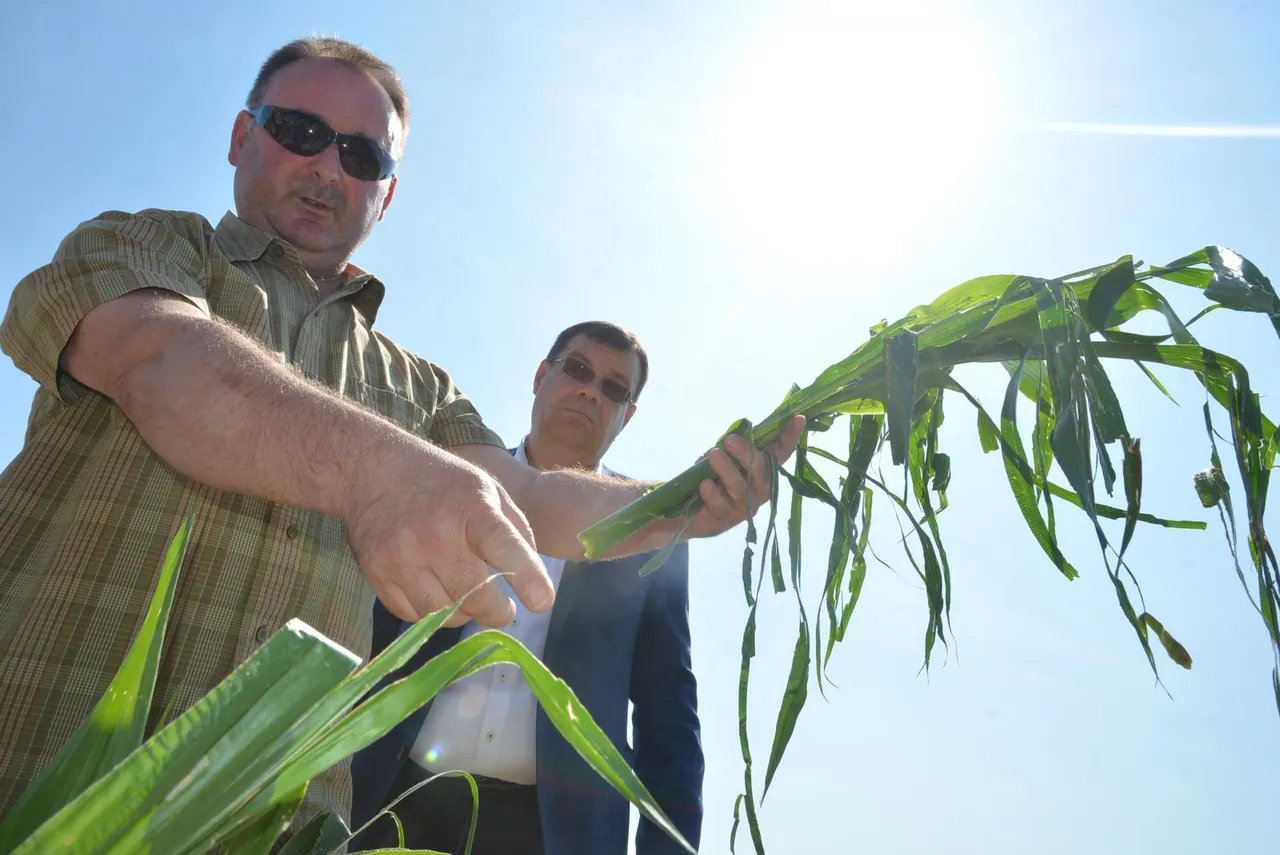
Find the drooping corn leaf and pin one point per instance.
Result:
(901, 367)
(1021, 479)
(1113, 513)
(1132, 491)
(733, 832)
(748, 799)
(1213, 490)
(1155, 381)
(792, 703)
(864, 440)
(1176, 651)
(576, 726)
(931, 575)
(920, 469)
(660, 558)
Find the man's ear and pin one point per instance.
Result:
(391, 191)
(239, 136)
(543, 368)
(631, 411)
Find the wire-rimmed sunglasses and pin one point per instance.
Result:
(306, 136)
(576, 369)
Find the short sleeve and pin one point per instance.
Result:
(455, 420)
(107, 257)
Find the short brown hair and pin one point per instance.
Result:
(610, 335)
(328, 47)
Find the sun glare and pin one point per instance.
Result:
(849, 127)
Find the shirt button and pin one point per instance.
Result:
(291, 532)
(502, 677)
(261, 634)
(488, 737)
(515, 621)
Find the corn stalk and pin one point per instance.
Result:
(1053, 336)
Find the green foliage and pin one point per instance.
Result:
(234, 768)
(1054, 336)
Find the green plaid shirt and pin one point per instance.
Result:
(87, 509)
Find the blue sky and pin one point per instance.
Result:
(749, 186)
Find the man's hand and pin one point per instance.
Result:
(425, 525)
(725, 498)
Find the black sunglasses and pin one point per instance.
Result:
(577, 370)
(306, 136)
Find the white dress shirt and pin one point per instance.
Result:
(486, 723)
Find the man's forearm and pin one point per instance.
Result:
(219, 409)
(561, 503)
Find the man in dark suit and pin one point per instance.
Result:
(612, 635)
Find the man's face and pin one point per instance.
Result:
(577, 415)
(310, 201)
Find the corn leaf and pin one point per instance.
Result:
(1132, 491)
(117, 724)
(748, 798)
(324, 833)
(1021, 478)
(177, 781)
(1113, 513)
(901, 367)
(792, 702)
(1176, 651)
(486, 648)
(257, 836)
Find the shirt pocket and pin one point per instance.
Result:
(394, 407)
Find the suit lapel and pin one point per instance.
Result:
(571, 581)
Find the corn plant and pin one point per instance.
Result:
(1054, 337)
(232, 771)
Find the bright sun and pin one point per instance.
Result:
(849, 126)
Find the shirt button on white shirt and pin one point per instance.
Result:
(486, 724)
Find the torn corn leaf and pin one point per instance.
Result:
(1176, 651)
(1211, 486)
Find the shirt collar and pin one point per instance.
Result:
(240, 241)
(520, 455)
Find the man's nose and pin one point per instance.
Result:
(590, 390)
(327, 165)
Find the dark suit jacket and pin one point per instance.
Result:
(614, 636)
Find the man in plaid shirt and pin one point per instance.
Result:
(234, 373)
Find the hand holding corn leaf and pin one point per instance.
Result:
(1054, 337)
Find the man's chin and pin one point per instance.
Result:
(309, 237)
(575, 430)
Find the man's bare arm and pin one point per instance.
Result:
(217, 407)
